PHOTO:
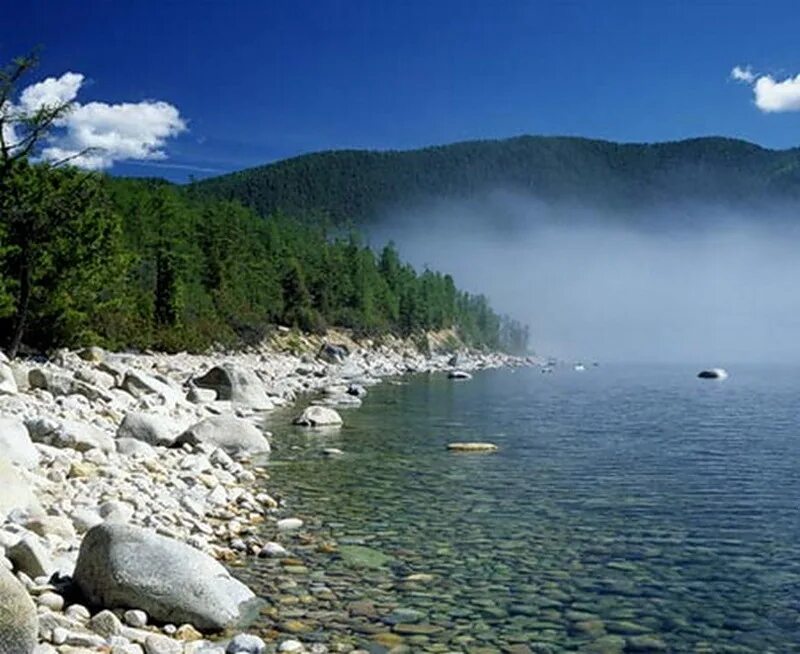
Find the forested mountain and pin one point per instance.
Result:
(358, 185)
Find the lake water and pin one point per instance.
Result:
(627, 509)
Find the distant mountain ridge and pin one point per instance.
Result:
(358, 186)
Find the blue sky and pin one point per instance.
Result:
(259, 81)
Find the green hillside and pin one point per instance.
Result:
(358, 185)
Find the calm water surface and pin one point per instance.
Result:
(628, 509)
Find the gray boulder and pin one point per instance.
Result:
(237, 384)
(246, 644)
(149, 428)
(69, 433)
(332, 353)
(201, 395)
(139, 384)
(318, 416)
(135, 448)
(92, 354)
(122, 566)
(16, 444)
(8, 383)
(96, 377)
(233, 435)
(19, 625)
(29, 556)
(15, 492)
(59, 383)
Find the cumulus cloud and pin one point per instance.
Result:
(97, 134)
(771, 95)
(51, 92)
(743, 74)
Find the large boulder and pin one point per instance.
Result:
(122, 566)
(76, 435)
(15, 492)
(149, 428)
(19, 625)
(318, 416)
(60, 383)
(234, 435)
(140, 384)
(8, 383)
(332, 353)
(28, 555)
(96, 378)
(16, 444)
(93, 354)
(237, 384)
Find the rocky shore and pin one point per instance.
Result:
(128, 480)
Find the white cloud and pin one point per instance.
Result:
(51, 92)
(98, 134)
(771, 96)
(116, 132)
(743, 74)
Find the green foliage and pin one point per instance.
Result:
(144, 264)
(59, 253)
(357, 186)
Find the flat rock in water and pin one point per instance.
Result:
(472, 447)
(713, 373)
(318, 416)
(122, 566)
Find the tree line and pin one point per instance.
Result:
(87, 258)
(143, 264)
(361, 186)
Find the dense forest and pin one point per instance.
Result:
(144, 264)
(357, 186)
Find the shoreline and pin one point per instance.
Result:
(145, 440)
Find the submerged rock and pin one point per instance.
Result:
(122, 566)
(360, 556)
(19, 625)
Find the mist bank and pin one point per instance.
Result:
(685, 283)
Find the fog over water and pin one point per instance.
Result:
(699, 285)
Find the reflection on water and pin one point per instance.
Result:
(628, 509)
